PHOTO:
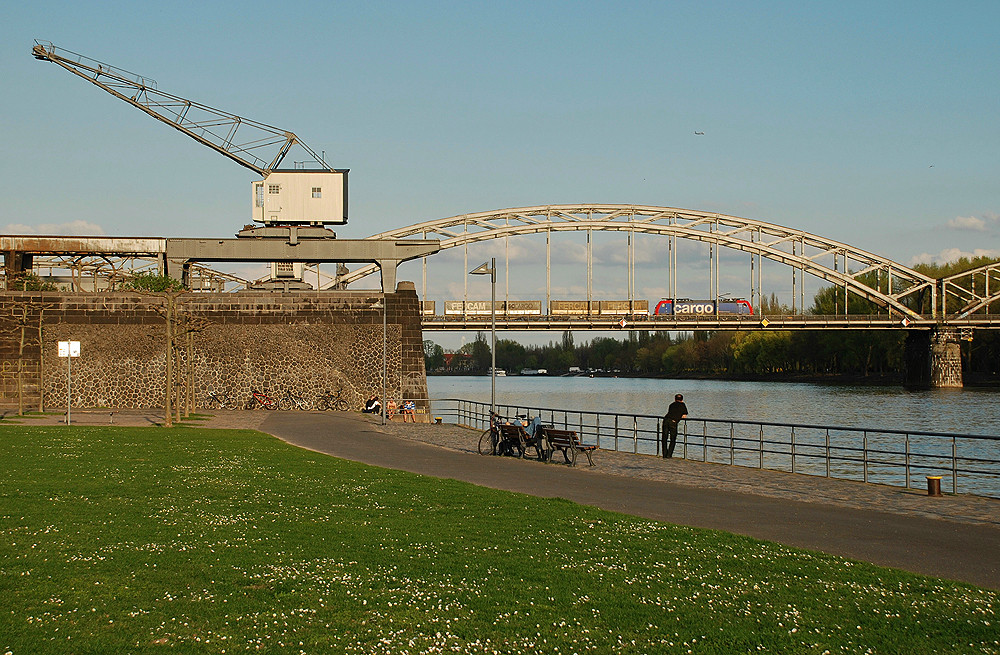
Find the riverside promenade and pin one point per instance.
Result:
(953, 537)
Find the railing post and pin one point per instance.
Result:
(907, 460)
(793, 449)
(704, 441)
(685, 443)
(760, 453)
(732, 443)
(954, 465)
(828, 452)
(864, 446)
(616, 433)
(635, 434)
(598, 429)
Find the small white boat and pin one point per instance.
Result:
(499, 373)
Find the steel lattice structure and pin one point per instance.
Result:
(255, 145)
(837, 263)
(970, 291)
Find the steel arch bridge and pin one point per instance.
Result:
(896, 289)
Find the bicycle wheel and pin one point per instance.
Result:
(322, 404)
(341, 405)
(270, 403)
(486, 443)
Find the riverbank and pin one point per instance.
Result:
(874, 380)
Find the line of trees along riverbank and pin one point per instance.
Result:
(855, 355)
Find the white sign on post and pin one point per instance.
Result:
(69, 350)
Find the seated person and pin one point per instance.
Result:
(409, 409)
(390, 409)
(373, 406)
(531, 426)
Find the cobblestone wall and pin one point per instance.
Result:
(305, 343)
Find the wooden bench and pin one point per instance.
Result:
(420, 415)
(568, 442)
(514, 440)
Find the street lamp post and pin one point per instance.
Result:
(382, 305)
(491, 270)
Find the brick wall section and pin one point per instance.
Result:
(307, 343)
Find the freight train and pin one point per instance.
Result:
(593, 308)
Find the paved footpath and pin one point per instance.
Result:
(953, 537)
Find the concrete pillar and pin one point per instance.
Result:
(933, 358)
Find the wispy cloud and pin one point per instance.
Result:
(970, 223)
(71, 228)
(982, 223)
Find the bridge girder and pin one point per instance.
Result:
(755, 237)
(951, 288)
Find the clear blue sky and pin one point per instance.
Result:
(873, 123)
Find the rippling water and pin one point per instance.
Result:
(965, 411)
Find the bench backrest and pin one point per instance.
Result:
(561, 437)
(511, 430)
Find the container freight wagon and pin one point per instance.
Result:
(598, 307)
(685, 307)
(511, 308)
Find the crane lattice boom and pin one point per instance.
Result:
(255, 145)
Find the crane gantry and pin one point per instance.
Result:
(293, 204)
(297, 196)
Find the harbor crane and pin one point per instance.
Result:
(284, 197)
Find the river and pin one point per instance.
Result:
(964, 411)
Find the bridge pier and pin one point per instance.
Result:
(933, 358)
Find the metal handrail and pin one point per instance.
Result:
(873, 455)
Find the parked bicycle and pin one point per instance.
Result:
(217, 400)
(331, 400)
(262, 399)
(505, 437)
(490, 442)
(292, 401)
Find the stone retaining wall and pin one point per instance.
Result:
(306, 343)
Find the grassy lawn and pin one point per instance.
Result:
(118, 540)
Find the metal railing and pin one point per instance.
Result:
(967, 463)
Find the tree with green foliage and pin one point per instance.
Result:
(433, 356)
(152, 282)
(481, 354)
(29, 281)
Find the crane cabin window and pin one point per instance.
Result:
(274, 189)
(259, 194)
(317, 192)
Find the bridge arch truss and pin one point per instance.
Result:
(897, 288)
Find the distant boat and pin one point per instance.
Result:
(500, 373)
(534, 371)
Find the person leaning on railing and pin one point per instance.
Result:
(675, 414)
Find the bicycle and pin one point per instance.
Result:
(491, 438)
(220, 399)
(334, 401)
(292, 401)
(262, 399)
